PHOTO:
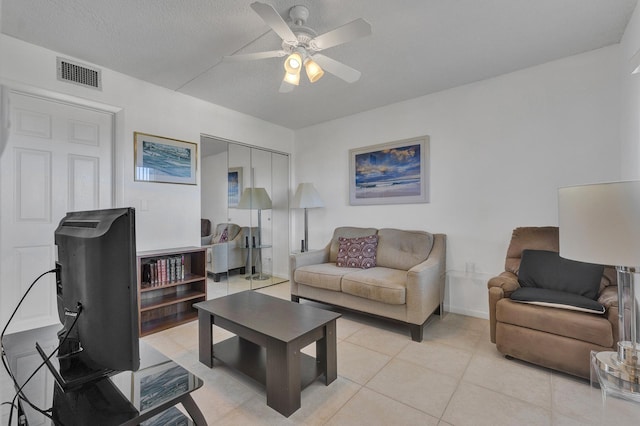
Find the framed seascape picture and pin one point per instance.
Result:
(390, 173)
(234, 185)
(158, 159)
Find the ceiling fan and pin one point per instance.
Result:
(301, 45)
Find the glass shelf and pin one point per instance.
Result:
(620, 399)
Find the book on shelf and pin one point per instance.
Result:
(161, 271)
(146, 274)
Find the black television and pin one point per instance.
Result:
(97, 295)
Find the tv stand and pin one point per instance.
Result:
(71, 371)
(125, 398)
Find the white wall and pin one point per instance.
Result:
(171, 217)
(500, 148)
(630, 111)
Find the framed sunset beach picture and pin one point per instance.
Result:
(390, 173)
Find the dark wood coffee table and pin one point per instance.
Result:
(270, 333)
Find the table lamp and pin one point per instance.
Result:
(306, 197)
(256, 199)
(601, 224)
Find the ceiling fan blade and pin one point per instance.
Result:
(254, 56)
(336, 68)
(273, 19)
(351, 31)
(286, 87)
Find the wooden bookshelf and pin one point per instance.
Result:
(170, 281)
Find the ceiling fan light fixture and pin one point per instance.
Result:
(300, 42)
(293, 63)
(314, 72)
(292, 78)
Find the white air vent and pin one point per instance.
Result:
(77, 73)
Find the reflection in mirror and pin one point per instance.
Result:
(280, 215)
(249, 247)
(262, 253)
(214, 205)
(239, 160)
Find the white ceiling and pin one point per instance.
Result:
(417, 46)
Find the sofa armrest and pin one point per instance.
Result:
(499, 287)
(313, 257)
(608, 297)
(425, 283)
(507, 281)
(307, 258)
(217, 257)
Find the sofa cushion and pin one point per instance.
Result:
(556, 299)
(323, 275)
(591, 328)
(225, 232)
(346, 232)
(398, 249)
(546, 269)
(384, 285)
(357, 252)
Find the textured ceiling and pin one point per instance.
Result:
(417, 46)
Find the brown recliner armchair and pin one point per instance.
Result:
(556, 338)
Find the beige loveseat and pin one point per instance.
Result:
(406, 285)
(226, 249)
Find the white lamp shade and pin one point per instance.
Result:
(601, 223)
(314, 72)
(293, 79)
(293, 63)
(306, 197)
(255, 198)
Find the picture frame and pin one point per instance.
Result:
(234, 186)
(390, 173)
(164, 160)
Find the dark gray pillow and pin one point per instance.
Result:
(547, 270)
(556, 299)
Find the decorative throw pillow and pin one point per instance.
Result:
(556, 299)
(224, 237)
(357, 252)
(546, 269)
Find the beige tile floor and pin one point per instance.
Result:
(454, 377)
(235, 282)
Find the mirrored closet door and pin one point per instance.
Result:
(245, 198)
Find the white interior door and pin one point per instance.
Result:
(58, 159)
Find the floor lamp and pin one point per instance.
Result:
(256, 199)
(306, 197)
(601, 224)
